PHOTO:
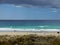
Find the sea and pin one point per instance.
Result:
(29, 25)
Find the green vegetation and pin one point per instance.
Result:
(29, 40)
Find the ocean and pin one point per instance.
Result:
(29, 24)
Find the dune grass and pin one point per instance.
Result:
(29, 40)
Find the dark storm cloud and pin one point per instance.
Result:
(38, 3)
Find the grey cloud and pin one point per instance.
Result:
(38, 3)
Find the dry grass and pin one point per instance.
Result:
(29, 40)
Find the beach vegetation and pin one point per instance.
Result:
(29, 40)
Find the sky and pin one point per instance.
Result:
(30, 9)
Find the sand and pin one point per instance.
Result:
(43, 32)
(29, 32)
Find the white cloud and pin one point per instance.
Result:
(18, 6)
(29, 3)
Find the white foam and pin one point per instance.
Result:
(43, 26)
(50, 29)
(16, 29)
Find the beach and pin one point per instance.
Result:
(15, 37)
(43, 33)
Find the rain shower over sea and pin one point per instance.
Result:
(29, 25)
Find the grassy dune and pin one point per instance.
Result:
(29, 40)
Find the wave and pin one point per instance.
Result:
(18, 29)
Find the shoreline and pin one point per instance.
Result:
(42, 32)
(33, 29)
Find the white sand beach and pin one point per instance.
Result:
(27, 33)
(43, 32)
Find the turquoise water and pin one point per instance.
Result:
(33, 27)
(30, 24)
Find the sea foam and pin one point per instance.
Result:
(18, 29)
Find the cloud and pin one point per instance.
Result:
(54, 10)
(16, 6)
(31, 3)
